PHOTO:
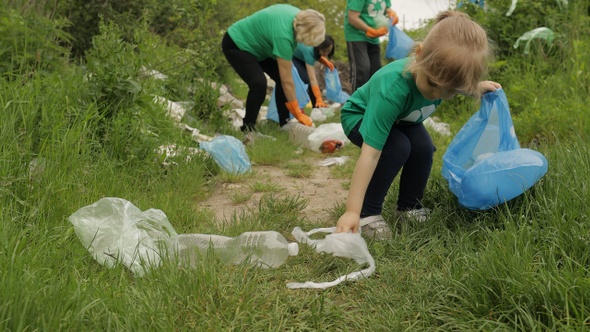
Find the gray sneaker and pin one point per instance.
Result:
(417, 215)
(375, 227)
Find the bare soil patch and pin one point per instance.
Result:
(322, 191)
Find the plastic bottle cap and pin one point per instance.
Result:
(293, 249)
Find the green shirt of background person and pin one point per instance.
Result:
(390, 98)
(267, 34)
(364, 22)
(367, 12)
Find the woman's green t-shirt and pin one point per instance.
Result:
(268, 33)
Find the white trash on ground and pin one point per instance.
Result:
(347, 245)
(115, 231)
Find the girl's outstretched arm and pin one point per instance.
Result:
(361, 176)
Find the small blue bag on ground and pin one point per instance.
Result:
(399, 45)
(229, 153)
(300, 91)
(334, 87)
(484, 164)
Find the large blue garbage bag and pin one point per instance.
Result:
(484, 164)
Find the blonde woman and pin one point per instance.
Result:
(384, 118)
(264, 42)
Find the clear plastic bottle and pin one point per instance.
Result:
(299, 134)
(265, 248)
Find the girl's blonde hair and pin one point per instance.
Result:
(309, 27)
(454, 54)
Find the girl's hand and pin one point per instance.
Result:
(348, 222)
(489, 86)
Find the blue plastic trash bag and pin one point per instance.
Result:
(300, 91)
(399, 45)
(333, 87)
(484, 164)
(229, 153)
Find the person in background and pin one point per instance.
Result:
(363, 25)
(384, 118)
(304, 60)
(264, 42)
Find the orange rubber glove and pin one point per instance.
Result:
(319, 102)
(293, 107)
(375, 33)
(392, 16)
(326, 62)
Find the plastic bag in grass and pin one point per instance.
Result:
(300, 93)
(347, 245)
(115, 231)
(229, 153)
(542, 33)
(484, 164)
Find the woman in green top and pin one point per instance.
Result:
(384, 118)
(264, 42)
(304, 60)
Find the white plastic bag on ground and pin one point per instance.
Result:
(347, 245)
(324, 132)
(114, 230)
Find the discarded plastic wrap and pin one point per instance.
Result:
(334, 87)
(115, 231)
(399, 44)
(484, 164)
(542, 33)
(300, 91)
(347, 245)
(229, 153)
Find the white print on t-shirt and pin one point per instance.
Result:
(375, 8)
(419, 115)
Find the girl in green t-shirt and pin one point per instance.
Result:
(384, 118)
(304, 60)
(264, 42)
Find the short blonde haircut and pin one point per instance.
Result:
(454, 54)
(309, 27)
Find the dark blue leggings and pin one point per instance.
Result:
(252, 72)
(410, 147)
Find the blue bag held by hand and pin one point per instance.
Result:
(399, 45)
(334, 87)
(484, 164)
(229, 153)
(300, 91)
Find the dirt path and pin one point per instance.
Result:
(322, 191)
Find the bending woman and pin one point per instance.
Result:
(264, 42)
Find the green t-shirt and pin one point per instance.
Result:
(390, 97)
(369, 9)
(268, 33)
(305, 54)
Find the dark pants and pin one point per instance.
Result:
(251, 71)
(364, 60)
(302, 70)
(409, 147)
